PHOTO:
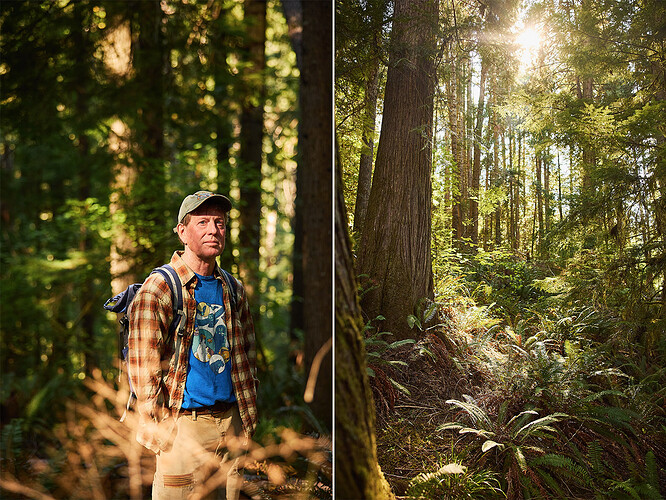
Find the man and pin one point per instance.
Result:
(197, 392)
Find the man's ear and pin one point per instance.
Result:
(180, 230)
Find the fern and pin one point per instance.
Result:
(565, 467)
(594, 451)
(651, 471)
(454, 481)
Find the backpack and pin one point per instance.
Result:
(120, 304)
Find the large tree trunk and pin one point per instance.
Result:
(148, 200)
(395, 247)
(251, 137)
(357, 473)
(539, 199)
(315, 172)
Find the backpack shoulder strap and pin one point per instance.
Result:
(232, 284)
(175, 285)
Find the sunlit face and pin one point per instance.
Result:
(203, 234)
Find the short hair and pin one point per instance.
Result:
(186, 219)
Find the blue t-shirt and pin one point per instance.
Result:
(209, 371)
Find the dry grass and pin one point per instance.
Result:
(92, 455)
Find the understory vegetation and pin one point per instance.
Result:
(536, 380)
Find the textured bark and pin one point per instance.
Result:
(395, 247)
(315, 172)
(357, 474)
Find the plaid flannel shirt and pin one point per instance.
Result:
(158, 376)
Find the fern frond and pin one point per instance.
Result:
(594, 451)
(477, 414)
(563, 466)
(540, 424)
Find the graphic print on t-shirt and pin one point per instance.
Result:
(211, 344)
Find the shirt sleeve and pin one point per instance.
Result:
(247, 331)
(148, 315)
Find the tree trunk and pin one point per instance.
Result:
(315, 171)
(495, 174)
(395, 249)
(357, 473)
(250, 161)
(546, 194)
(539, 199)
(117, 49)
(148, 200)
(476, 165)
(367, 153)
(457, 172)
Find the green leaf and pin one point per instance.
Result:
(400, 343)
(490, 444)
(400, 387)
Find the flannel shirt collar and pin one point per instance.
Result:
(185, 273)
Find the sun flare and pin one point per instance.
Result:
(529, 39)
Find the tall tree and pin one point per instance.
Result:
(475, 182)
(372, 44)
(315, 172)
(117, 49)
(251, 153)
(357, 473)
(395, 246)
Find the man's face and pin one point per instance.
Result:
(204, 233)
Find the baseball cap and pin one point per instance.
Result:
(194, 201)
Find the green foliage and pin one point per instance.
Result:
(378, 353)
(74, 186)
(519, 444)
(453, 481)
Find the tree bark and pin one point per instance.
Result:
(315, 172)
(357, 473)
(395, 247)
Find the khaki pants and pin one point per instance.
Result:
(199, 461)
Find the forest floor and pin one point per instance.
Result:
(409, 442)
